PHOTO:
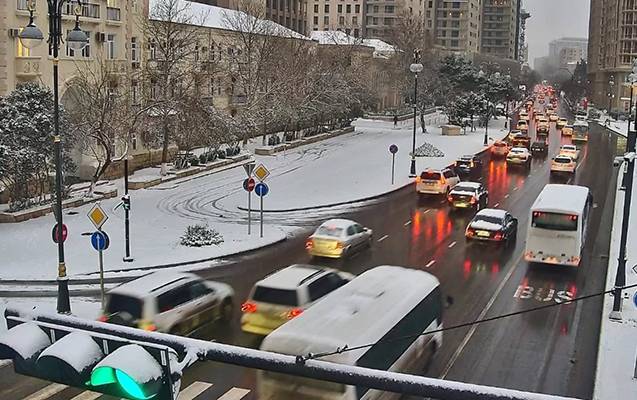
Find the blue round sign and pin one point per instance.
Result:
(100, 240)
(393, 149)
(635, 299)
(261, 189)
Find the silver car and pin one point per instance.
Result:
(338, 238)
(165, 301)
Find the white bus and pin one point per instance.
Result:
(379, 305)
(580, 131)
(557, 230)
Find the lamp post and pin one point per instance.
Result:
(629, 171)
(30, 37)
(416, 67)
(611, 83)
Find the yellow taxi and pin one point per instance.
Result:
(561, 123)
(567, 130)
(522, 126)
(553, 117)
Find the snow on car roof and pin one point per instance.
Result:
(561, 198)
(519, 150)
(359, 312)
(465, 185)
(142, 286)
(569, 146)
(289, 277)
(492, 212)
(338, 223)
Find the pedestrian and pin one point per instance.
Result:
(395, 120)
(422, 123)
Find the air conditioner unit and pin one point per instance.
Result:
(100, 36)
(13, 32)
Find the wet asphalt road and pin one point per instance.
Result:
(551, 351)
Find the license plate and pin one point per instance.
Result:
(483, 233)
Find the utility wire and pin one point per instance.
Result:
(345, 349)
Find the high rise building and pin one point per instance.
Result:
(500, 28)
(522, 46)
(612, 48)
(329, 15)
(457, 26)
(568, 50)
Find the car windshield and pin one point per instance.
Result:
(326, 230)
(464, 162)
(430, 176)
(464, 188)
(488, 218)
(283, 297)
(117, 303)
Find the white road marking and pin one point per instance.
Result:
(46, 392)
(88, 395)
(452, 244)
(383, 238)
(426, 211)
(484, 312)
(496, 205)
(506, 196)
(193, 390)
(234, 394)
(407, 223)
(515, 188)
(430, 263)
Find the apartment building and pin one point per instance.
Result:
(612, 48)
(500, 28)
(329, 15)
(457, 26)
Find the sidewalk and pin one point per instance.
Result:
(618, 339)
(341, 169)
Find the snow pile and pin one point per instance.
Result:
(200, 235)
(428, 150)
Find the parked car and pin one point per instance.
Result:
(436, 181)
(283, 295)
(468, 195)
(563, 164)
(166, 301)
(493, 225)
(468, 165)
(499, 149)
(539, 147)
(519, 156)
(336, 238)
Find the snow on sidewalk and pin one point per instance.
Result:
(340, 169)
(618, 339)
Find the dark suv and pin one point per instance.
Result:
(539, 147)
(468, 165)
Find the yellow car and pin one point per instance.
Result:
(522, 126)
(277, 298)
(561, 123)
(524, 116)
(567, 130)
(554, 117)
(338, 238)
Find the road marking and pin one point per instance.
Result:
(426, 211)
(193, 390)
(46, 392)
(234, 394)
(452, 244)
(88, 395)
(407, 223)
(506, 196)
(383, 238)
(443, 202)
(430, 263)
(484, 312)
(515, 188)
(496, 205)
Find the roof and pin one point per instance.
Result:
(341, 38)
(357, 313)
(561, 198)
(217, 17)
(492, 212)
(289, 277)
(338, 223)
(473, 185)
(144, 285)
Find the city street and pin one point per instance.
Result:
(550, 351)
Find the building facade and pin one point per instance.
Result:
(328, 15)
(458, 26)
(500, 28)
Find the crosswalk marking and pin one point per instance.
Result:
(87, 395)
(234, 394)
(46, 392)
(193, 390)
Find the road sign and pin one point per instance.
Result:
(248, 184)
(635, 299)
(249, 167)
(261, 172)
(100, 240)
(97, 216)
(55, 235)
(393, 149)
(261, 189)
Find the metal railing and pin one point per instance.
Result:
(89, 10)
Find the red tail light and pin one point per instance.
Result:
(418, 179)
(498, 236)
(473, 200)
(471, 232)
(442, 179)
(102, 318)
(150, 327)
(450, 199)
(309, 244)
(248, 307)
(295, 312)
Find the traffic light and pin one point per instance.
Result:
(126, 202)
(101, 360)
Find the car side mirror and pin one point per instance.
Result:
(448, 301)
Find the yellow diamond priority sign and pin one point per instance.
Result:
(97, 216)
(261, 172)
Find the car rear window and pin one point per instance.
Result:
(489, 218)
(284, 297)
(330, 231)
(463, 162)
(562, 160)
(430, 176)
(118, 303)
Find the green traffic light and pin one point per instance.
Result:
(103, 376)
(107, 376)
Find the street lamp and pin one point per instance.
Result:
(30, 37)
(629, 171)
(416, 67)
(611, 83)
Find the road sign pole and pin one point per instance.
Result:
(101, 262)
(249, 212)
(261, 228)
(393, 161)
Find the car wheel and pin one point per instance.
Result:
(226, 310)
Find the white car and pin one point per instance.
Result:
(519, 156)
(438, 181)
(337, 238)
(563, 163)
(166, 301)
(570, 150)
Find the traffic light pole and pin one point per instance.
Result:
(127, 257)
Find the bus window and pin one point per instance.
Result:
(555, 221)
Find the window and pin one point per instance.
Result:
(199, 289)
(357, 8)
(554, 221)
(356, 32)
(326, 20)
(324, 285)
(284, 297)
(376, 9)
(315, 20)
(354, 20)
(340, 8)
(388, 21)
(21, 50)
(174, 298)
(85, 52)
(134, 94)
(110, 46)
(389, 9)
(152, 49)
(454, 43)
(316, 8)
(134, 54)
(327, 8)
(341, 20)
(348, 8)
(23, 4)
(118, 303)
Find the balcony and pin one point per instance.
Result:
(27, 67)
(113, 14)
(23, 5)
(89, 10)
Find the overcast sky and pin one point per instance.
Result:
(553, 19)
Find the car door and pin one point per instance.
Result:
(484, 196)
(173, 310)
(352, 237)
(361, 234)
(205, 304)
